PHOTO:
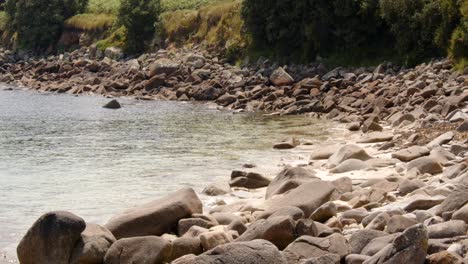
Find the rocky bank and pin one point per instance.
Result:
(392, 189)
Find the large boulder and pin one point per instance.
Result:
(163, 66)
(157, 217)
(251, 252)
(289, 178)
(149, 249)
(93, 245)
(113, 53)
(51, 239)
(308, 197)
(210, 240)
(409, 247)
(324, 152)
(113, 104)
(280, 77)
(350, 165)
(347, 152)
(307, 247)
(448, 229)
(359, 240)
(279, 230)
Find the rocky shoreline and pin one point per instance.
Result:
(392, 189)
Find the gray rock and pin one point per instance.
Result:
(359, 240)
(251, 252)
(376, 137)
(461, 214)
(347, 152)
(325, 259)
(210, 240)
(447, 229)
(113, 53)
(216, 189)
(409, 247)
(149, 249)
(287, 144)
(411, 153)
(294, 212)
(442, 139)
(249, 180)
(324, 212)
(92, 247)
(426, 165)
(350, 165)
(399, 223)
(163, 66)
(356, 259)
(306, 247)
(456, 199)
(157, 217)
(376, 244)
(289, 178)
(308, 197)
(278, 230)
(280, 77)
(51, 239)
(407, 186)
(379, 222)
(324, 152)
(184, 246)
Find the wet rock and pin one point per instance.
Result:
(249, 180)
(308, 197)
(307, 247)
(157, 217)
(149, 249)
(92, 247)
(289, 178)
(257, 251)
(409, 247)
(51, 239)
(426, 165)
(114, 104)
(216, 189)
(447, 229)
(347, 152)
(281, 78)
(278, 230)
(411, 153)
(288, 144)
(226, 99)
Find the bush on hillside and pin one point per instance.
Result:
(37, 23)
(140, 18)
(458, 49)
(313, 27)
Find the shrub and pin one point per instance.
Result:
(39, 23)
(116, 39)
(306, 28)
(458, 49)
(103, 7)
(139, 17)
(3, 21)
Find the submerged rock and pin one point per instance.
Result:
(114, 104)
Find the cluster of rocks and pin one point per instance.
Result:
(393, 190)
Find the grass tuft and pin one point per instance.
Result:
(91, 22)
(3, 21)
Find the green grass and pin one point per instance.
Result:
(103, 6)
(91, 21)
(116, 39)
(172, 5)
(3, 21)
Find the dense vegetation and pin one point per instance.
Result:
(38, 24)
(412, 29)
(341, 31)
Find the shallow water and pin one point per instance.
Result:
(60, 152)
